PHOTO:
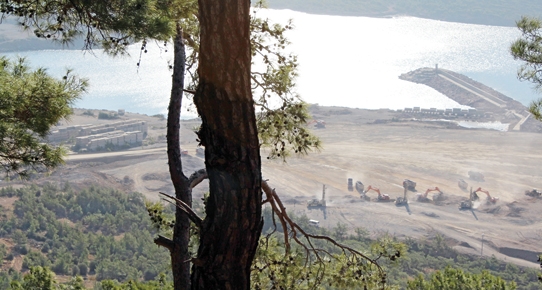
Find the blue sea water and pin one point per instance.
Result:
(344, 61)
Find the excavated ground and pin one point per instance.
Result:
(379, 149)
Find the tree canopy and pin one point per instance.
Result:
(31, 102)
(528, 49)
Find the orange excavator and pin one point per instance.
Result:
(489, 197)
(381, 197)
(436, 197)
(318, 124)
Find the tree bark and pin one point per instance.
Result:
(232, 226)
(181, 231)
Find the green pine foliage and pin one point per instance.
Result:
(110, 24)
(94, 231)
(107, 235)
(31, 102)
(528, 49)
(457, 279)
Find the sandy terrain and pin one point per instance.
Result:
(382, 154)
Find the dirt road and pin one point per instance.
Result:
(377, 149)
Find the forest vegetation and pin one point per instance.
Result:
(105, 237)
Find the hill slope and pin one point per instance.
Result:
(502, 13)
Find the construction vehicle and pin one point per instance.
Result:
(409, 184)
(360, 188)
(476, 176)
(436, 197)
(467, 204)
(316, 203)
(318, 124)
(533, 193)
(462, 184)
(402, 201)
(381, 197)
(490, 198)
(350, 185)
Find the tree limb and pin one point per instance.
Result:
(196, 178)
(185, 208)
(164, 242)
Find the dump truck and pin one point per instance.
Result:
(360, 188)
(409, 184)
(474, 175)
(462, 184)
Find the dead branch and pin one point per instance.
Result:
(184, 207)
(294, 229)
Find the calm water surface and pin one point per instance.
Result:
(344, 61)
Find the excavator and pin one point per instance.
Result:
(315, 203)
(318, 124)
(490, 198)
(437, 197)
(381, 197)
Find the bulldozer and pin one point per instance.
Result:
(533, 193)
(316, 203)
(402, 201)
(467, 204)
(380, 198)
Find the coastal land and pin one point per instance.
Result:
(380, 148)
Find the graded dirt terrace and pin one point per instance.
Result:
(378, 149)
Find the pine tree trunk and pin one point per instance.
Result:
(181, 232)
(232, 226)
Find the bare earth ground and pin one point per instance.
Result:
(382, 154)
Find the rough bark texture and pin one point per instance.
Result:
(181, 232)
(230, 232)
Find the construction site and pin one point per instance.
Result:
(389, 172)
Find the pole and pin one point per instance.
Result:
(482, 251)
